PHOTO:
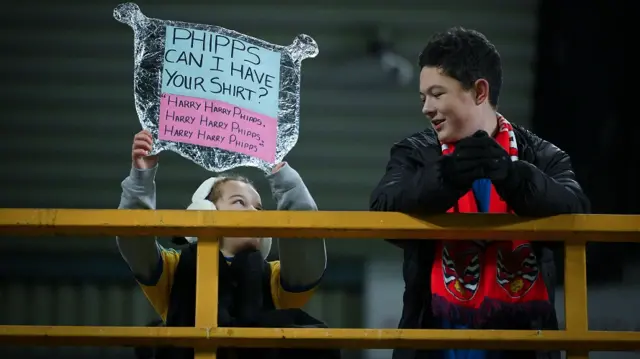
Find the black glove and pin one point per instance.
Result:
(494, 159)
(466, 164)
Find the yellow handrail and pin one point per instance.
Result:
(322, 224)
(207, 338)
(574, 230)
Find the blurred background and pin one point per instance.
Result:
(68, 120)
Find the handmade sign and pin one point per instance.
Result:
(215, 96)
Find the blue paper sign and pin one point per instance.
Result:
(213, 66)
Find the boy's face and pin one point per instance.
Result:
(449, 107)
(239, 196)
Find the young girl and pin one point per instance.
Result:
(252, 292)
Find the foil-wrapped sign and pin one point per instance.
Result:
(215, 96)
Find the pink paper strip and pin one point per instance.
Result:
(217, 124)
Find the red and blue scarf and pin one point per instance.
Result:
(487, 284)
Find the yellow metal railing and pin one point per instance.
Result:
(574, 230)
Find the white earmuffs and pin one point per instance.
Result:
(199, 202)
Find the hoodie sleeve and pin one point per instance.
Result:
(152, 265)
(141, 254)
(302, 261)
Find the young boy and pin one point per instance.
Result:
(252, 292)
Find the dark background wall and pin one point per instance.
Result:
(581, 92)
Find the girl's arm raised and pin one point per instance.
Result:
(141, 254)
(302, 262)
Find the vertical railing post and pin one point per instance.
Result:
(207, 290)
(575, 293)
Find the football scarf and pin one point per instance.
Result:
(487, 284)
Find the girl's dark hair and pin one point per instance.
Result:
(214, 195)
(216, 191)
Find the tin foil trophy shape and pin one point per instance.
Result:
(215, 96)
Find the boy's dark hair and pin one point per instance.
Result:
(467, 56)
